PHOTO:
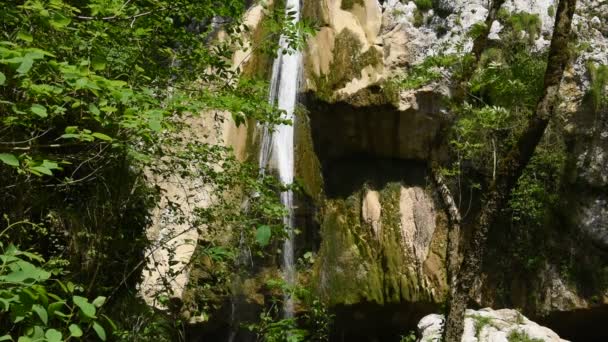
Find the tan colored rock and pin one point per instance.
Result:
(173, 233)
(417, 212)
(372, 210)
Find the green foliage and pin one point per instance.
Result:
(538, 188)
(500, 96)
(313, 325)
(599, 82)
(424, 5)
(35, 305)
(519, 22)
(426, 72)
(93, 93)
(418, 18)
(478, 29)
(480, 323)
(521, 336)
(410, 337)
(551, 11)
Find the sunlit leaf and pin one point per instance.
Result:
(86, 308)
(9, 159)
(101, 332)
(39, 110)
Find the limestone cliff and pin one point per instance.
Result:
(366, 249)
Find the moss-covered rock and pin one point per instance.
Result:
(360, 263)
(307, 166)
(347, 64)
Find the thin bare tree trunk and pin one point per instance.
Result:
(511, 168)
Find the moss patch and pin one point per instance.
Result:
(356, 265)
(349, 4)
(308, 167)
(347, 64)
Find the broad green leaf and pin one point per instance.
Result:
(99, 330)
(54, 307)
(26, 64)
(98, 302)
(6, 338)
(9, 159)
(25, 36)
(75, 330)
(41, 170)
(101, 136)
(2, 78)
(41, 312)
(53, 335)
(94, 110)
(37, 334)
(59, 21)
(23, 271)
(24, 339)
(39, 110)
(86, 308)
(262, 235)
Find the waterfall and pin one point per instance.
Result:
(278, 144)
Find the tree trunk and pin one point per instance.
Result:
(511, 168)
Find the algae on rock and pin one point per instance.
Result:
(363, 261)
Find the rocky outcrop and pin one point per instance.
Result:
(382, 246)
(173, 232)
(349, 88)
(487, 325)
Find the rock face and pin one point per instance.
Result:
(356, 122)
(487, 325)
(172, 232)
(382, 246)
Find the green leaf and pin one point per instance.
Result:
(98, 302)
(25, 36)
(54, 307)
(262, 235)
(75, 330)
(98, 63)
(99, 330)
(41, 312)
(39, 110)
(24, 339)
(9, 159)
(86, 308)
(53, 335)
(2, 78)
(26, 64)
(24, 271)
(101, 136)
(41, 170)
(6, 338)
(59, 21)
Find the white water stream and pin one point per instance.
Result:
(278, 144)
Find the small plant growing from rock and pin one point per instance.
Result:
(521, 336)
(424, 5)
(480, 323)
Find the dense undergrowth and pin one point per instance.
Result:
(92, 92)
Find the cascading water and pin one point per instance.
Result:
(278, 144)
